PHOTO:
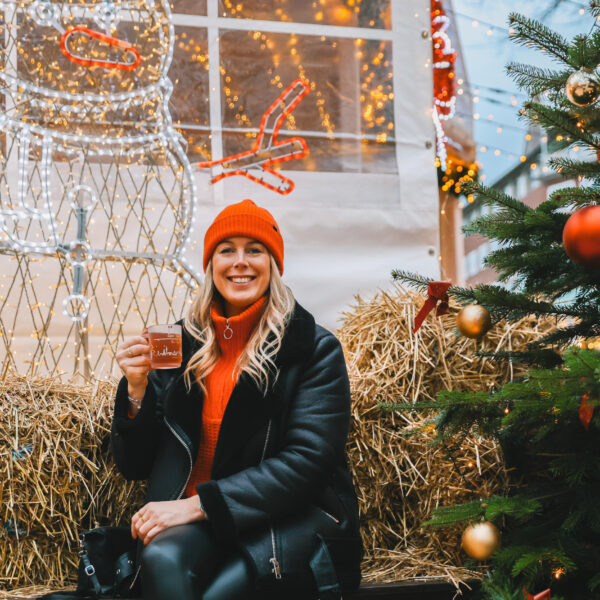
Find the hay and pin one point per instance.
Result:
(400, 480)
(58, 476)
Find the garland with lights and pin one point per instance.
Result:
(453, 172)
(444, 57)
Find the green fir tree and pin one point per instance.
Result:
(550, 521)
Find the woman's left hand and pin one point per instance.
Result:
(155, 517)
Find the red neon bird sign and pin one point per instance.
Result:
(267, 150)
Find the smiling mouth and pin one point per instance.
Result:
(241, 280)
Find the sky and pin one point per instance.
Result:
(486, 50)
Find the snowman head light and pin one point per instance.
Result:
(102, 51)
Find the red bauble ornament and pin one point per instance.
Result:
(581, 236)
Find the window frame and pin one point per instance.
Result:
(214, 24)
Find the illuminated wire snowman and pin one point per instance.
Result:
(96, 192)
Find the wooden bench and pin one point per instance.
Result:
(414, 589)
(411, 590)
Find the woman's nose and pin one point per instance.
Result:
(240, 256)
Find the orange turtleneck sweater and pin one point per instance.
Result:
(220, 383)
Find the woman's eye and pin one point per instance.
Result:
(224, 250)
(255, 250)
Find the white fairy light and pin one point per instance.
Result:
(57, 132)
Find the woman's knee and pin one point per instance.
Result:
(178, 549)
(234, 581)
(163, 557)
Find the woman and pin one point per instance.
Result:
(243, 446)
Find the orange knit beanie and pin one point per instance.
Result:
(245, 219)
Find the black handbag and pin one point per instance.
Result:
(106, 566)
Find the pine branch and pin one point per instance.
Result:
(444, 516)
(536, 227)
(554, 556)
(493, 197)
(414, 280)
(581, 196)
(497, 591)
(531, 33)
(594, 8)
(545, 358)
(569, 334)
(536, 80)
(569, 168)
(492, 508)
(502, 303)
(585, 51)
(535, 268)
(519, 507)
(557, 122)
(505, 304)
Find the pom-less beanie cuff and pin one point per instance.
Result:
(245, 219)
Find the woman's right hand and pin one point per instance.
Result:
(133, 357)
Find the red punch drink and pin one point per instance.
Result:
(165, 346)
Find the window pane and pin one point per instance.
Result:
(347, 118)
(189, 103)
(189, 7)
(346, 13)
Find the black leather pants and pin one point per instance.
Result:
(186, 563)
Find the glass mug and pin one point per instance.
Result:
(165, 346)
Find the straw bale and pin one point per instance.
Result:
(57, 476)
(400, 479)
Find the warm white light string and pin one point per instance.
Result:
(79, 252)
(440, 139)
(445, 39)
(141, 93)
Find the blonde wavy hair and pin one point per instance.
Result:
(257, 357)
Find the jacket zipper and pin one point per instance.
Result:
(330, 515)
(276, 570)
(189, 454)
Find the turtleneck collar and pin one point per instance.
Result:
(240, 326)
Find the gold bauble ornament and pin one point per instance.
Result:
(582, 88)
(473, 321)
(481, 540)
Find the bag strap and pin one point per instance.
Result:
(124, 567)
(88, 568)
(324, 573)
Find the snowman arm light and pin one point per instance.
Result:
(130, 51)
(267, 150)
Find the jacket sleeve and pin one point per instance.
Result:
(133, 442)
(314, 443)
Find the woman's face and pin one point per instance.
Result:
(241, 272)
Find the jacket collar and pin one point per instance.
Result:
(296, 343)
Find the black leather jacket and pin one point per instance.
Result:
(279, 469)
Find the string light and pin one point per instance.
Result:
(444, 57)
(73, 132)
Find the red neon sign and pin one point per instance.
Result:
(268, 151)
(111, 41)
